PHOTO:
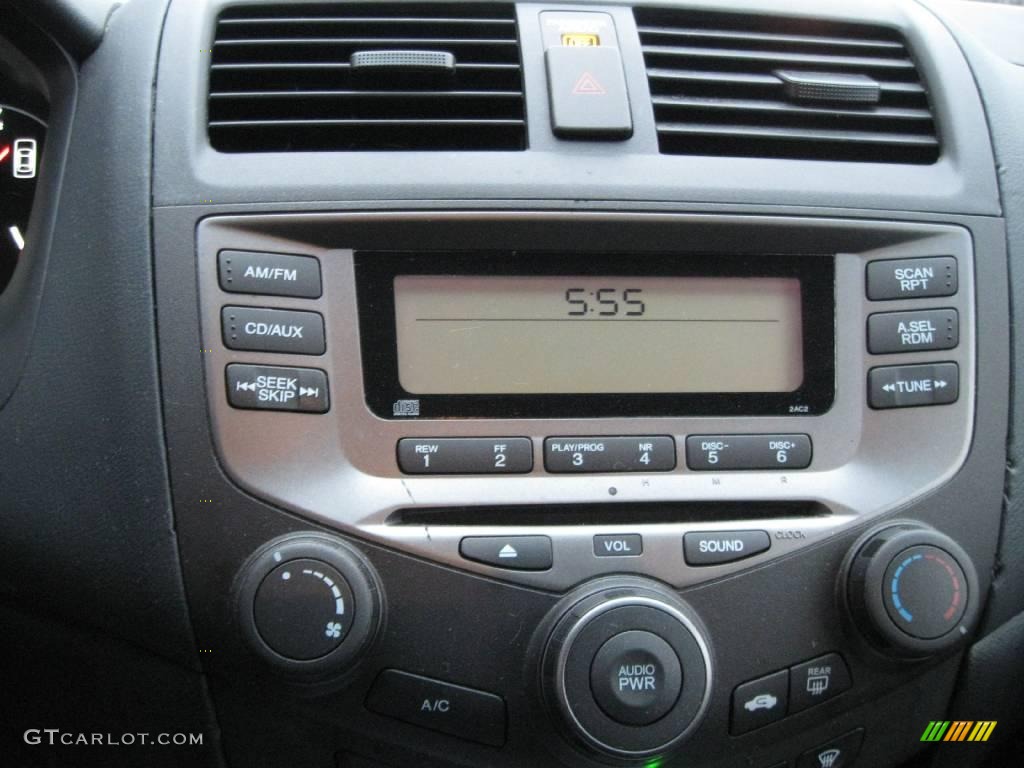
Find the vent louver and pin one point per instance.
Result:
(774, 87)
(361, 76)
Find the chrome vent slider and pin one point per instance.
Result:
(830, 86)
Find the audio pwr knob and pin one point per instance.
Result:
(626, 669)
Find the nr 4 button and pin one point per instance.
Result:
(610, 454)
(257, 329)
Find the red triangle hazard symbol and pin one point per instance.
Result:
(588, 85)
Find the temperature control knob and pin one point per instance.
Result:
(309, 605)
(912, 591)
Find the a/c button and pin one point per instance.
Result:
(463, 712)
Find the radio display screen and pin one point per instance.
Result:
(563, 335)
(463, 334)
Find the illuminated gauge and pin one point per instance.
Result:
(21, 147)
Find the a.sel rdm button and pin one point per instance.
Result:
(721, 452)
(609, 454)
(275, 388)
(465, 455)
(270, 274)
(463, 712)
(912, 278)
(913, 331)
(273, 330)
(906, 386)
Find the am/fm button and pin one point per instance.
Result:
(717, 547)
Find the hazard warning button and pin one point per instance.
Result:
(588, 93)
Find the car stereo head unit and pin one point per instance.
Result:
(546, 334)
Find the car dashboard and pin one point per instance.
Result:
(510, 384)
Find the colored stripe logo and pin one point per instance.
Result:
(958, 730)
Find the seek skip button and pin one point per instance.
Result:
(717, 547)
(273, 388)
(618, 545)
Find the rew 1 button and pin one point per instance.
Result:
(636, 678)
(273, 388)
(257, 329)
(519, 553)
(463, 712)
(465, 455)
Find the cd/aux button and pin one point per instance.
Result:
(260, 329)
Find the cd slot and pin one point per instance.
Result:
(608, 514)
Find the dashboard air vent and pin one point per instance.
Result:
(362, 76)
(777, 87)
